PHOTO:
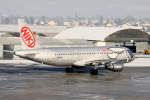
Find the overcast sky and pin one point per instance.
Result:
(107, 8)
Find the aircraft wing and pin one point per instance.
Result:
(90, 62)
(93, 62)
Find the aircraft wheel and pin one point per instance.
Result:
(69, 70)
(94, 71)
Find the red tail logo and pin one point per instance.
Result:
(28, 37)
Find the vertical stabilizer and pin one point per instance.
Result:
(27, 36)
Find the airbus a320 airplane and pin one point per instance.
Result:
(112, 58)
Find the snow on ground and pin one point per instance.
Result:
(139, 62)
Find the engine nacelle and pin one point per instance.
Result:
(115, 67)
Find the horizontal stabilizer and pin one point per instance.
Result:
(8, 51)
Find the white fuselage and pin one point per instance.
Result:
(77, 56)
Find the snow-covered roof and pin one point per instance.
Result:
(90, 33)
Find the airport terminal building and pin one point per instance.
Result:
(134, 39)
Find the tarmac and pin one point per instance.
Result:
(25, 80)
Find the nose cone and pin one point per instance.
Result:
(131, 56)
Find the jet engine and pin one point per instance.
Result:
(115, 67)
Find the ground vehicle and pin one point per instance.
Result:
(147, 51)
